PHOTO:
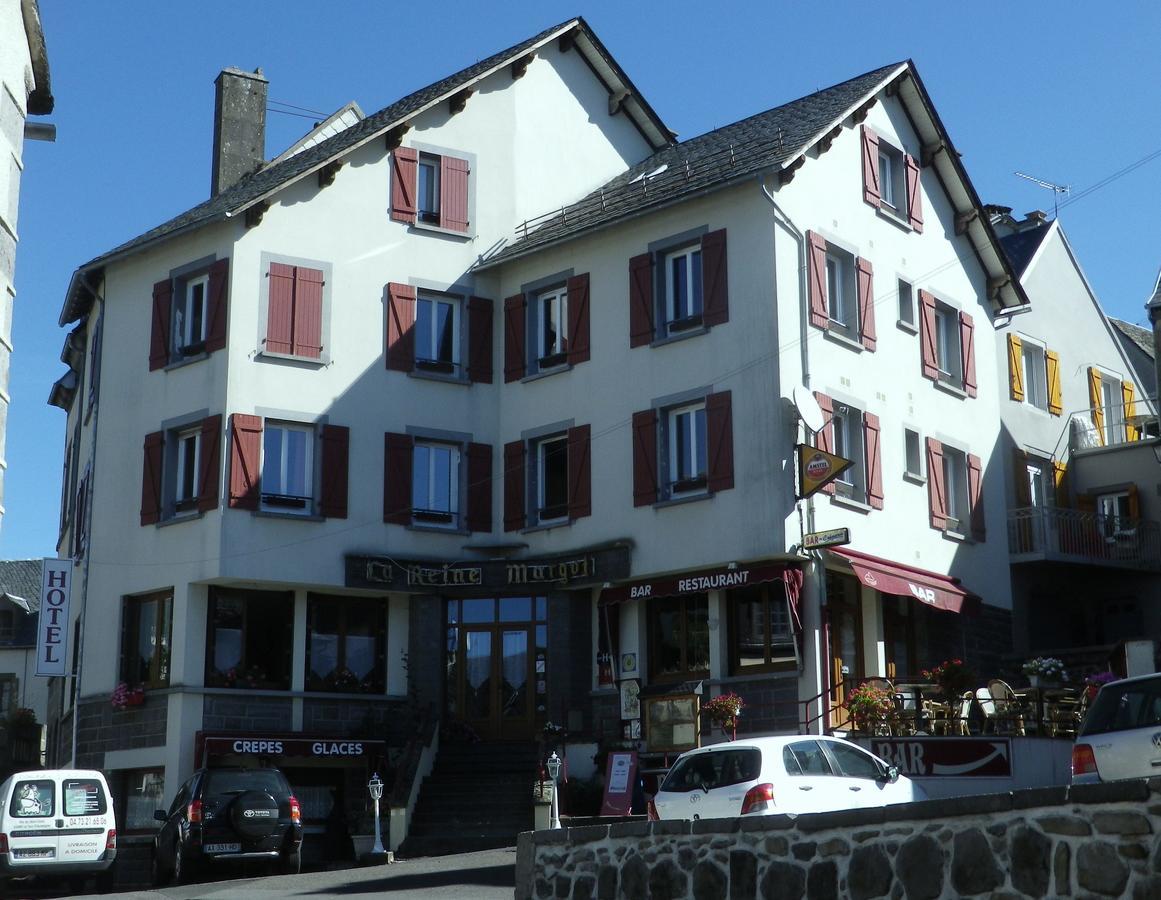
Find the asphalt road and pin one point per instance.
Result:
(486, 875)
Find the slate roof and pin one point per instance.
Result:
(1021, 246)
(21, 578)
(275, 175)
(709, 161)
(1139, 335)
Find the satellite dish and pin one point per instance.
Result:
(808, 409)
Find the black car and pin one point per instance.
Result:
(226, 815)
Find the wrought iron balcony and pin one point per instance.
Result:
(1064, 535)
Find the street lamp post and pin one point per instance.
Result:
(553, 772)
(375, 786)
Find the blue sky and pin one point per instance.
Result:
(1058, 91)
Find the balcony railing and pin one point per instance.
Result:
(1065, 535)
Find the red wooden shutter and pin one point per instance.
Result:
(865, 276)
(580, 493)
(936, 490)
(479, 517)
(336, 444)
(645, 484)
(245, 456)
(715, 286)
(719, 427)
(404, 173)
(816, 273)
(914, 194)
(150, 483)
(397, 467)
(216, 307)
(159, 337)
(874, 461)
(209, 455)
(81, 522)
(578, 319)
(453, 193)
(280, 312)
(975, 473)
(967, 337)
(308, 307)
(927, 335)
(641, 328)
(400, 327)
(514, 357)
(480, 340)
(871, 192)
(514, 508)
(824, 439)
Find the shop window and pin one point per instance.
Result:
(679, 637)
(250, 638)
(142, 792)
(346, 645)
(146, 623)
(761, 632)
(899, 637)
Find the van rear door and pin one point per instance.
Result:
(85, 819)
(33, 835)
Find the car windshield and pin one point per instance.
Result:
(237, 781)
(1121, 707)
(706, 771)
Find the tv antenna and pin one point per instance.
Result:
(1057, 190)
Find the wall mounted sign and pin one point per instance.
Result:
(630, 699)
(437, 576)
(945, 757)
(276, 745)
(815, 540)
(723, 577)
(817, 468)
(52, 628)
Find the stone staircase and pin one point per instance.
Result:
(477, 797)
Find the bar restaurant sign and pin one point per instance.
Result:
(420, 575)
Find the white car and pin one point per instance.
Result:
(779, 776)
(1121, 733)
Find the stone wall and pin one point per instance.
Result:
(1088, 840)
(103, 727)
(239, 710)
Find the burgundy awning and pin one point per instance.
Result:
(722, 577)
(932, 588)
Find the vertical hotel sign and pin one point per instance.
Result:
(52, 631)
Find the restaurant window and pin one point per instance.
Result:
(899, 637)
(846, 627)
(142, 792)
(250, 638)
(346, 644)
(761, 634)
(146, 626)
(679, 637)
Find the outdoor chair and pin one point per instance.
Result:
(1010, 710)
(988, 708)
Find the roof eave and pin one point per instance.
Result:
(40, 101)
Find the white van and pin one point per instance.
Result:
(57, 823)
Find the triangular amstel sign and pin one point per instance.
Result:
(817, 468)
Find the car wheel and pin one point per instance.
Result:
(159, 874)
(290, 861)
(181, 867)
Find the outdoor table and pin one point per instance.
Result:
(918, 692)
(1043, 700)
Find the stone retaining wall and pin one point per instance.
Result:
(1088, 840)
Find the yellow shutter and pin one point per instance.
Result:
(1015, 368)
(1134, 506)
(1132, 432)
(1094, 403)
(1059, 471)
(1055, 400)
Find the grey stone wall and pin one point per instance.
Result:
(1090, 840)
(426, 651)
(241, 711)
(102, 727)
(570, 661)
(389, 720)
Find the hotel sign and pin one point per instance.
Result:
(419, 576)
(52, 628)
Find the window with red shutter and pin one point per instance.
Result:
(216, 306)
(480, 340)
(719, 422)
(927, 335)
(245, 458)
(645, 480)
(397, 469)
(641, 328)
(514, 326)
(715, 287)
(936, 485)
(967, 335)
(816, 274)
(577, 335)
(914, 194)
(209, 453)
(159, 337)
(400, 327)
(295, 316)
(515, 511)
(824, 439)
(150, 480)
(479, 517)
(871, 191)
(874, 462)
(580, 503)
(975, 477)
(679, 288)
(864, 277)
(336, 440)
(403, 181)
(431, 189)
(189, 314)
(453, 193)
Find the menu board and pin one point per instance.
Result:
(672, 722)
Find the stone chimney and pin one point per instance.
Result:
(1033, 219)
(239, 127)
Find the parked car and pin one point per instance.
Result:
(57, 824)
(779, 775)
(228, 815)
(1120, 736)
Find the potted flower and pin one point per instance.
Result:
(1044, 670)
(723, 711)
(125, 696)
(869, 707)
(952, 676)
(1094, 682)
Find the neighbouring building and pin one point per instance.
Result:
(487, 404)
(1083, 524)
(25, 90)
(23, 695)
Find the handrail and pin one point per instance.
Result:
(1056, 533)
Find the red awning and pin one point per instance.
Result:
(940, 591)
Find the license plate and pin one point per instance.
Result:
(46, 853)
(223, 848)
